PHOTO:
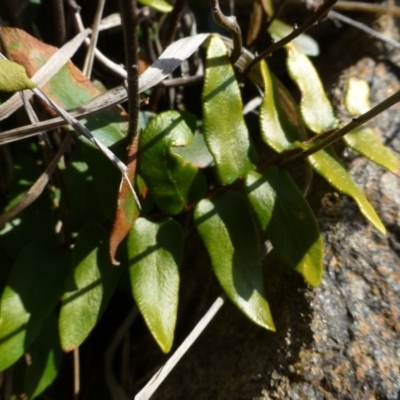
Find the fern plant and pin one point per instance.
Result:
(205, 174)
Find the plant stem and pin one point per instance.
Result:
(318, 15)
(366, 7)
(129, 19)
(87, 69)
(231, 25)
(174, 20)
(339, 133)
(77, 385)
(276, 12)
(364, 28)
(60, 30)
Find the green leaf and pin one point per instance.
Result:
(225, 131)
(32, 292)
(304, 43)
(356, 96)
(45, 355)
(196, 153)
(83, 197)
(288, 221)
(104, 179)
(315, 106)
(69, 87)
(36, 222)
(144, 118)
(158, 5)
(172, 182)
(230, 236)
(13, 77)
(155, 254)
(276, 129)
(363, 139)
(328, 167)
(90, 284)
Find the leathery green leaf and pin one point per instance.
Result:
(225, 131)
(69, 88)
(155, 253)
(159, 5)
(172, 182)
(13, 77)
(46, 355)
(279, 29)
(288, 221)
(230, 236)
(33, 289)
(364, 140)
(90, 284)
(197, 152)
(276, 129)
(315, 106)
(356, 96)
(338, 177)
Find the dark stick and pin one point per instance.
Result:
(332, 137)
(174, 20)
(129, 19)
(319, 14)
(179, 82)
(231, 25)
(275, 14)
(60, 31)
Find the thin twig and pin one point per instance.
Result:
(111, 65)
(129, 19)
(276, 13)
(77, 382)
(362, 6)
(81, 129)
(367, 7)
(117, 393)
(45, 73)
(174, 19)
(179, 82)
(73, 4)
(231, 25)
(332, 137)
(164, 371)
(148, 42)
(87, 69)
(43, 139)
(319, 14)
(37, 188)
(60, 31)
(169, 60)
(117, 69)
(364, 28)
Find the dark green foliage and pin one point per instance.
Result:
(205, 174)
